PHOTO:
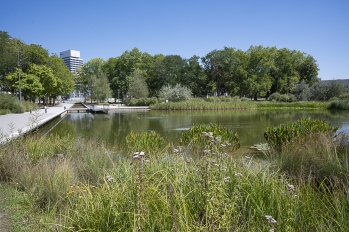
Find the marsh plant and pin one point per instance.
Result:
(209, 138)
(279, 136)
(310, 151)
(148, 141)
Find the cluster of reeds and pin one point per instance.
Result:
(149, 141)
(339, 104)
(204, 105)
(311, 151)
(87, 187)
(209, 136)
(278, 136)
(294, 105)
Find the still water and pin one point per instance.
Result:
(250, 125)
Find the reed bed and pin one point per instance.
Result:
(203, 105)
(295, 105)
(85, 186)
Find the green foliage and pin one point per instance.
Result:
(10, 104)
(319, 91)
(210, 137)
(203, 105)
(65, 79)
(92, 81)
(175, 94)
(282, 97)
(339, 104)
(138, 86)
(344, 96)
(100, 88)
(301, 91)
(279, 136)
(316, 158)
(149, 142)
(296, 105)
(335, 89)
(93, 188)
(143, 101)
(275, 97)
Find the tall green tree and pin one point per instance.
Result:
(101, 88)
(259, 81)
(156, 81)
(47, 80)
(64, 78)
(88, 74)
(10, 50)
(308, 69)
(195, 78)
(33, 54)
(218, 66)
(240, 73)
(284, 72)
(31, 87)
(138, 86)
(118, 69)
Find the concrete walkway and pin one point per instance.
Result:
(12, 125)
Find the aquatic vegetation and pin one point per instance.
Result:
(210, 137)
(93, 188)
(278, 136)
(147, 141)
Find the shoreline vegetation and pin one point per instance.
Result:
(203, 183)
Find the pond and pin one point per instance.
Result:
(250, 125)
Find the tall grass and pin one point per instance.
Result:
(92, 188)
(203, 105)
(339, 105)
(296, 105)
(10, 104)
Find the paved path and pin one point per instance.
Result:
(11, 125)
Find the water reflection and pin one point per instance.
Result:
(249, 124)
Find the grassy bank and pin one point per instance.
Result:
(198, 185)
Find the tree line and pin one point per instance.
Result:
(39, 74)
(258, 72)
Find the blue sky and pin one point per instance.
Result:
(107, 28)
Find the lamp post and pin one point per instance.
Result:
(19, 80)
(118, 98)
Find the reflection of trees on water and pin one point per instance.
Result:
(249, 124)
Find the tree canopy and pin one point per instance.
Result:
(258, 72)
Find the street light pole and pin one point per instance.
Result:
(19, 80)
(118, 98)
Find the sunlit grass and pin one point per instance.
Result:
(86, 186)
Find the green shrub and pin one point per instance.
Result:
(10, 104)
(175, 94)
(316, 158)
(274, 97)
(279, 136)
(282, 97)
(344, 96)
(29, 106)
(149, 142)
(213, 99)
(209, 137)
(141, 101)
(339, 105)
